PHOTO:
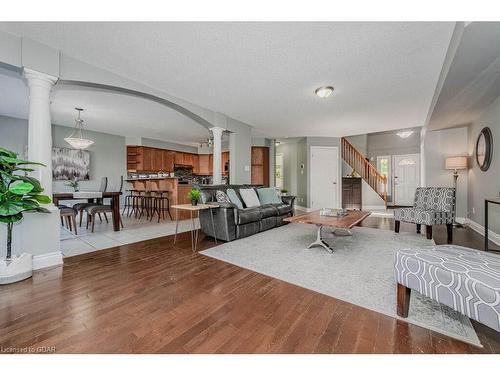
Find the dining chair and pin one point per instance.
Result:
(80, 207)
(97, 209)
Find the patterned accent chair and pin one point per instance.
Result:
(464, 279)
(432, 206)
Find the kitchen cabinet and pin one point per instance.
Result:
(188, 159)
(179, 157)
(168, 161)
(196, 164)
(260, 166)
(224, 161)
(203, 164)
(147, 158)
(351, 193)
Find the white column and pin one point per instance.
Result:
(40, 126)
(217, 157)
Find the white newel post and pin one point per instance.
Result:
(40, 126)
(217, 156)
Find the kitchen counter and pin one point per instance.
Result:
(177, 191)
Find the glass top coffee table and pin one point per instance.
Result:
(342, 222)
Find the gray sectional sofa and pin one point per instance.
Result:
(232, 223)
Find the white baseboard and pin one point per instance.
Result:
(369, 208)
(47, 260)
(492, 236)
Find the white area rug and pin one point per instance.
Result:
(360, 271)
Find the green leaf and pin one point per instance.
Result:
(16, 161)
(24, 169)
(42, 209)
(37, 188)
(6, 152)
(11, 219)
(11, 208)
(21, 188)
(44, 199)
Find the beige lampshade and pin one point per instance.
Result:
(456, 162)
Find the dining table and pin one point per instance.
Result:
(91, 197)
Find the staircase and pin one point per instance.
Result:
(365, 169)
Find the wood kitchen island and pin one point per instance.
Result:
(177, 192)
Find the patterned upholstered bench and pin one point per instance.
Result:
(464, 279)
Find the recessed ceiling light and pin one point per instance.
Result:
(324, 92)
(405, 134)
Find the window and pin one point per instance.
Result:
(279, 171)
(384, 167)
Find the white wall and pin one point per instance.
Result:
(437, 147)
(107, 154)
(484, 185)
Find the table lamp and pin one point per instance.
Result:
(455, 163)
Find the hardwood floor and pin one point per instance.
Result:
(153, 297)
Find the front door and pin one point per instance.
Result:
(324, 177)
(406, 178)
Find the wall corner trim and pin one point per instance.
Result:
(47, 260)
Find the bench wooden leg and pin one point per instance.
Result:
(428, 230)
(449, 230)
(403, 304)
(419, 227)
(396, 226)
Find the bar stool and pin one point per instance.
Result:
(137, 201)
(128, 204)
(161, 202)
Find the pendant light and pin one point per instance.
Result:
(76, 139)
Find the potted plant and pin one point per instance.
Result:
(74, 183)
(18, 194)
(284, 191)
(194, 195)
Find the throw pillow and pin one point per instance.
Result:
(250, 197)
(221, 197)
(233, 197)
(268, 196)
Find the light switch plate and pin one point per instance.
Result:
(247, 168)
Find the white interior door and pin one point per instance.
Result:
(324, 182)
(406, 178)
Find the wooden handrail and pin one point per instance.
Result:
(364, 168)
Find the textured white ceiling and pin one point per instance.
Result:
(264, 74)
(105, 112)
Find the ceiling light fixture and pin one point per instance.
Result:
(76, 139)
(324, 92)
(405, 134)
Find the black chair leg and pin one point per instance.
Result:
(428, 230)
(449, 230)
(396, 225)
(106, 217)
(419, 226)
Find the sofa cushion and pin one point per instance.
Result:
(248, 215)
(222, 197)
(268, 196)
(250, 197)
(420, 216)
(233, 197)
(268, 210)
(283, 208)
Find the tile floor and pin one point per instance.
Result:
(104, 237)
